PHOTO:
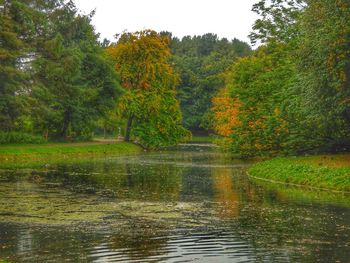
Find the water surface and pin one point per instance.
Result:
(191, 204)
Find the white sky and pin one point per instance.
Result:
(226, 18)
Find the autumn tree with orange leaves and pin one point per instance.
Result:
(248, 112)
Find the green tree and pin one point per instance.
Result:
(293, 93)
(324, 63)
(75, 82)
(23, 25)
(13, 79)
(202, 62)
(149, 103)
(260, 84)
(55, 78)
(278, 21)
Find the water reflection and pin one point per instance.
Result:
(225, 194)
(178, 206)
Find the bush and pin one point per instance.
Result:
(20, 137)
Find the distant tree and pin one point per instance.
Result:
(202, 62)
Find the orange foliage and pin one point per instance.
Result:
(225, 194)
(225, 111)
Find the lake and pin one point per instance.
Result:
(189, 204)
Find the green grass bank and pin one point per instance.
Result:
(202, 139)
(327, 171)
(30, 155)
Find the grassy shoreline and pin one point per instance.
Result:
(329, 172)
(202, 139)
(31, 155)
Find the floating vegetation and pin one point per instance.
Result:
(158, 206)
(47, 203)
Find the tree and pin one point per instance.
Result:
(324, 63)
(255, 120)
(293, 93)
(74, 80)
(13, 79)
(202, 62)
(149, 104)
(278, 22)
(55, 78)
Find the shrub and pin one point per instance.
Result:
(20, 137)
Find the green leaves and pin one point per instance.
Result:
(202, 62)
(294, 91)
(148, 104)
(278, 22)
(260, 84)
(55, 78)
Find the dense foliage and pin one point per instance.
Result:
(202, 62)
(58, 81)
(149, 105)
(55, 80)
(20, 137)
(292, 95)
(289, 96)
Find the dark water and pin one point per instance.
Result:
(188, 205)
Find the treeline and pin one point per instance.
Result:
(292, 95)
(58, 82)
(202, 63)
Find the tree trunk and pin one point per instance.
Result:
(66, 122)
(46, 135)
(128, 128)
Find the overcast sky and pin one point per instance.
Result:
(226, 18)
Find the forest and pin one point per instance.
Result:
(288, 95)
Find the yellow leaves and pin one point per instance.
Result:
(225, 194)
(277, 111)
(142, 60)
(225, 111)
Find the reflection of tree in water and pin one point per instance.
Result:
(124, 180)
(272, 221)
(302, 232)
(196, 184)
(152, 182)
(43, 244)
(224, 193)
(307, 231)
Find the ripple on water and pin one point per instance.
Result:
(186, 247)
(180, 206)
